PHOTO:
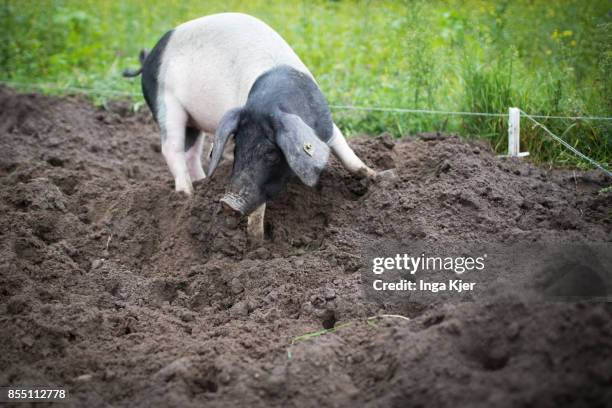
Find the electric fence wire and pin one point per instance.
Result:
(106, 91)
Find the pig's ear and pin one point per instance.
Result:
(306, 154)
(227, 126)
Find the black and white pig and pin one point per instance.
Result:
(231, 74)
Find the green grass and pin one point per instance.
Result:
(546, 57)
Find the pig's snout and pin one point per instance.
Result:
(233, 204)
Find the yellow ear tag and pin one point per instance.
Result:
(308, 149)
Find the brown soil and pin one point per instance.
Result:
(127, 294)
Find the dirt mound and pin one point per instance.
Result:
(125, 293)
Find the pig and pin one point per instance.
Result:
(231, 74)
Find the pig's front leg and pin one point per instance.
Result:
(347, 156)
(255, 225)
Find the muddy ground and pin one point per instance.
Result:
(127, 294)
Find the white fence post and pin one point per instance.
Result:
(514, 133)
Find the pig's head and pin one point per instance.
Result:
(269, 149)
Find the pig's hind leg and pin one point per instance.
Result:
(173, 127)
(347, 156)
(194, 145)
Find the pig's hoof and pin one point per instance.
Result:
(255, 233)
(386, 175)
(184, 189)
(255, 241)
(184, 193)
(366, 172)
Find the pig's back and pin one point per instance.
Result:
(211, 63)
